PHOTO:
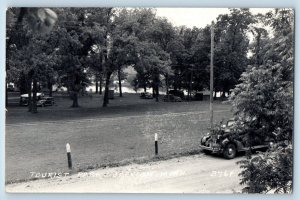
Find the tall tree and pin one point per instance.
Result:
(265, 95)
(71, 48)
(136, 42)
(95, 33)
(29, 55)
(155, 62)
(231, 48)
(162, 33)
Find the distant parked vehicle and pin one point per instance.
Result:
(146, 95)
(46, 101)
(198, 96)
(172, 98)
(177, 93)
(24, 98)
(10, 88)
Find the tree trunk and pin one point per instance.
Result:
(23, 83)
(50, 88)
(156, 84)
(75, 99)
(153, 90)
(29, 101)
(215, 95)
(167, 86)
(145, 89)
(157, 93)
(190, 86)
(34, 96)
(120, 83)
(50, 91)
(97, 85)
(106, 98)
(223, 94)
(100, 85)
(39, 89)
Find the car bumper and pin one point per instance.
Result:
(213, 149)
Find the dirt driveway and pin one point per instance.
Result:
(190, 174)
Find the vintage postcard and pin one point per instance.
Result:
(149, 100)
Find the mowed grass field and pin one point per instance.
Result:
(121, 133)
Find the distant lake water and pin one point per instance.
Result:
(126, 89)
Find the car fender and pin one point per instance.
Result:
(205, 138)
(237, 143)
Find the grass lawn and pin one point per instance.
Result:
(98, 136)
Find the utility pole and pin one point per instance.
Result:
(211, 75)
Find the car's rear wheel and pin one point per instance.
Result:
(229, 151)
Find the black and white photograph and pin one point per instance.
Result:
(149, 100)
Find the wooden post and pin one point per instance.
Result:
(211, 75)
(156, 144)
(68, 148)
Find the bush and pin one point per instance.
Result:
(270, 172)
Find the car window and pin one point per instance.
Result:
(230, 123)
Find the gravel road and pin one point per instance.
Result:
(190, 174)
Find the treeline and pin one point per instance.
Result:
(99, 43)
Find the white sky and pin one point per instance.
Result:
(198, 17)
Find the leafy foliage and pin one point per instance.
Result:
(231, 48)
(266, 95)
(269, 172)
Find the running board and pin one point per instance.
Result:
(254, 147)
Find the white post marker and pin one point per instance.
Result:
(68, 148)
(156, 144)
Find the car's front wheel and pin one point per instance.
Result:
(229, 151)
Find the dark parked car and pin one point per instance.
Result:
(46, 101)
(10, 88)
(24, 98)
(172, 98)
(146, 95)
(229, 141)
(177, 93)
(198, 96)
